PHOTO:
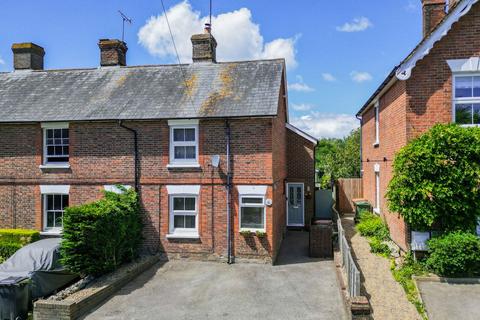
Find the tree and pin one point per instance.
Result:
(436, 179)
(339, 158)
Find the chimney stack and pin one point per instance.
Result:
(113, 52)
(204, 46)
(452, 3)
(27, 56)
(433, 12)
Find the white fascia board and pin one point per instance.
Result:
(252, 190)
(55, 189)
(55, 125)
(405, 70)
(183, 189)
(115, 189)
(183, 122)
(301, 133)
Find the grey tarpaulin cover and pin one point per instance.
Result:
(39, 262)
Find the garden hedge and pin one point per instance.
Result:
(21, 236)
(100, 236)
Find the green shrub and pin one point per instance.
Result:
(21, 236)
(8, 248)
(436, 179)
(371, 225)
(454, 254)
(379, 247)
(100, 236)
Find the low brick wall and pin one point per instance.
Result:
(69, 310)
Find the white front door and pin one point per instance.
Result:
(295, 205)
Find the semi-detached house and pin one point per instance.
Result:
(207, 145)
(438, 82)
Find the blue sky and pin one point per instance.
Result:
(337, 51)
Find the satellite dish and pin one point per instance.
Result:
(215, 160)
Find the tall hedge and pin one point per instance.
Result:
(100, 236)
(436, 179)
(21, 236)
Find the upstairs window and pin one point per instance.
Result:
(377, 124)
(466, 99)
(184, 144)
(56, 143)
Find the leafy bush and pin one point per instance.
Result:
(100, 236)
(371, 225)
(455, 254)
(21, 236)
(379, 247)
(436, 179)
(7, 249)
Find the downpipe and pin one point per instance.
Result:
(136, 157)
(230, 258)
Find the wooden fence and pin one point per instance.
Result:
(345, 191)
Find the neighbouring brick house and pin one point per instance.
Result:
(439, 82)
(190, 138)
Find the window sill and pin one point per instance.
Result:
(253, 230)
(376, 210)
(183, 236)
(55, 166)
(57, 233)
(183, 165)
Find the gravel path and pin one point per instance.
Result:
(387, 297)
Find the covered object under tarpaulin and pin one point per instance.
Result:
(38, 262)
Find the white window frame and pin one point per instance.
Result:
(376, 109)
(183, 124)
(254, 205)
(53, 125)
(47, 190)
(377, 188)
(464, 100)
(183, 232)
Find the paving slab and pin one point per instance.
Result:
(450, 301)
(297, 287)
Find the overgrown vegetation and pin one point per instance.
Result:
(13, 239)
(338, 158)
(374, 228)
(100, 236)
(454, 254)
(436, 180)
(403, 274)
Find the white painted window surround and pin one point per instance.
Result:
(183, 208)
(377, 123)
(183, 144)
(56, 144)
(376, 169)
(54, 201)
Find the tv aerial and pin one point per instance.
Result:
(124, 19)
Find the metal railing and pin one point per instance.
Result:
(348, 264)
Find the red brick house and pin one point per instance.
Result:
(207, 145)
(439, 82)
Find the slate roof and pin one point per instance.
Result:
(198, 90)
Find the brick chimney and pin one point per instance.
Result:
(433, 12)
(204, 46)
(27, 56)
(113, 52)
(452, 3)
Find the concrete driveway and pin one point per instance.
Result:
(446, 301)
(296, 288)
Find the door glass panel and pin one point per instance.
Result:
(299, 195)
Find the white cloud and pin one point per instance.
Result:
(238, 37)
(300, 86)
(301, 107)
(328, 77)
(326, 125)
(1, 60)
(357, 25)
(411, 6)
(360, 76)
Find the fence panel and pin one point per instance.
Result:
(348, 264)
(346, 191)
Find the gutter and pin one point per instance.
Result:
(136, 157)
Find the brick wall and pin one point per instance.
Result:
(301, 168)
(411, 107)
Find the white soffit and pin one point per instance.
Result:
(179, 189)
(55, 189)
(115, 189)
(301, 133)
(252, 190)
(404, 71)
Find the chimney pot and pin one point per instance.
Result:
(204, 46)
(433, 12)
(113, 52)
(27, 56)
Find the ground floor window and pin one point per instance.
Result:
(183, 214)
(377, 192)
(252, 213)
(53, 207)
